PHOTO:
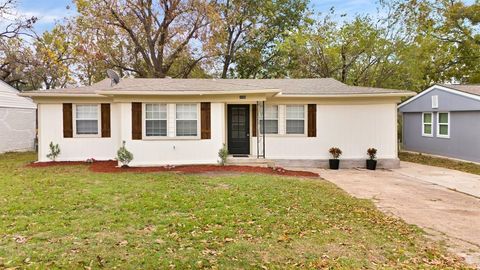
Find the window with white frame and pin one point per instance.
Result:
(271, 119)
(186, 119)
(443, 125)
(155, 120)
(295, 119)
(427, 122)
(86, 119)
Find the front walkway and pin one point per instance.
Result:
(422, 195)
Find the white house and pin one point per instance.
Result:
(17, 120)
(187, 121)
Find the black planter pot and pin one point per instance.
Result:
(334, 164)
(371, 164)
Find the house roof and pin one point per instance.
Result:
(9, 98)
(284, 87)
(467, 88)
(103, 84)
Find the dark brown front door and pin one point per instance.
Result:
(238, 129)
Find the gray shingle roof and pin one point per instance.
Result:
(467, 88)
(324, 86)
(189, 85)
(101, 85)
(314, 87)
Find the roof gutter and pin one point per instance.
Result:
(186, 93)
(440, 87)
(57, 95)
(274, 92)
(19, 107)
(406, 94)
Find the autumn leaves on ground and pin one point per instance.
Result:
(71, 217)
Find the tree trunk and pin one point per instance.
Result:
(228, 53)
(344, 66)
(226, 64)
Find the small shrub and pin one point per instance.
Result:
(223, 154)
(335, 152)
(372, 153)
(124, 156)
(54, 151)
(169, 167)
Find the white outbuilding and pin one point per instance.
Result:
(17, 120)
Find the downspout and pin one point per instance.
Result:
(263, 131)
(402, 138)
(258, 130)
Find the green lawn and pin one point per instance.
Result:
(69, 217)
(468, 167)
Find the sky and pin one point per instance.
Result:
(49, 11)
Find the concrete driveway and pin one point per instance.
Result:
(433, 198)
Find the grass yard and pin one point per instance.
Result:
(70, 217)
(440, 162)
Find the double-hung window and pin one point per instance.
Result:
(443, 125)
(186, 120)
(271, 120)
(155, 120)
(295, 120)
(86, 119)
(427, 124)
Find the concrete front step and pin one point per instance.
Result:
(250, 161)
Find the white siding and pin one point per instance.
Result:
(17, 120)
(9, 98)
(175, 151)
(352, 128)
(146, 152)
(50, 127)
(17, 129)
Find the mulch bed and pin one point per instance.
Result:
(111, 167)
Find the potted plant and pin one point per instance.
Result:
(334, 162)
(372, 162)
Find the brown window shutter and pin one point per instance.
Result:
(105, 120)
(205, 120)
(136, 121)
(254, 120)
(312, 120)
(67, 120)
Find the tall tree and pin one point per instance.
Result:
(11, 45)
(455, 28)
(90, 51)
(401, 49)
(15, 56)
(248, 31)
(356, 52)
(54, 58)
(14, 24)
(156, 34)
(462, 26)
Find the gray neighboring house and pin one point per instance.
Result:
(443, 120)
(17, 120)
